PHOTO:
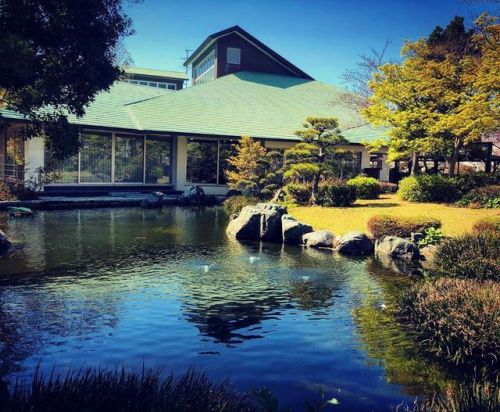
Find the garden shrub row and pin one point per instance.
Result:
(331, 193)
(455, 319)
(385, 225)
(473, 256)
(440, 188)
(366, 187)
(487, 224)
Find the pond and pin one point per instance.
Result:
(167, 288)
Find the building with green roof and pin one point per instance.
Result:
(142, 137)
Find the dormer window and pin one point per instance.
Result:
(233, 55)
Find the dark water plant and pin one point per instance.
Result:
(474, 397)
(457, 320)
(102, 390)
(474, 256)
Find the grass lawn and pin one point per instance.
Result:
(456, 220)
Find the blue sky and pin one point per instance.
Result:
(322, 37)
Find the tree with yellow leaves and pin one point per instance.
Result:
(443, 96)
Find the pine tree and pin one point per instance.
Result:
(308, 161)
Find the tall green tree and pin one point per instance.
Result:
(445, 93)
(55, 56)
(309, 160)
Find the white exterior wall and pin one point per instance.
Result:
(34, 155)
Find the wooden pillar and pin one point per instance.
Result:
(489, 152)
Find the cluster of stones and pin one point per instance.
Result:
(270, 222)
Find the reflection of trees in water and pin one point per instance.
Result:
(385, 342)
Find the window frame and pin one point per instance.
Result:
(208, 139)
(113, 181)
(237, 52)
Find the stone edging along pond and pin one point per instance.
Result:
(270, 222)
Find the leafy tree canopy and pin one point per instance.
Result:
(55, 56)
(445, 93)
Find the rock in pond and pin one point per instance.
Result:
(5, 242)
(259, 222)
(320, 238)
(153, 199)
(293, 230)
(396, 247)
(354, 243)
(193, 196)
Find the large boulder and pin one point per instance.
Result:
(259, 222)
(396, 247)
(319, 238)
(293, 230)
(153, 199)
(354, 243)
(5, 242)
(193, 196)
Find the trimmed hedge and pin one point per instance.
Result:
(336, 194)
(428, 188)
(487, 224)
(384, 225)
(455, 319)
(474, 256)
(234, 204)
(366, 187)
(300, 193)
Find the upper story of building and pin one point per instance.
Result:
(233, 50)
(163, 79)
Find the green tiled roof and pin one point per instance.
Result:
(157, 73)
(245, 103)
(249, 103)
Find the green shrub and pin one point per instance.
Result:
(428, 188)
(472, 256)
(335, 194)
(486, 197)
(298, 192)
(384, 225)
(455, 319)
(476, 397)
(470, 181)
(487, 224)
(388, 188)
(234, 204)
(6, 193)
(122, 390)
(366, 187)
(433, 236)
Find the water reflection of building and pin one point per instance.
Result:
(230, 301)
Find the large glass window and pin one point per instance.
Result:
(202, 161)
(95, 158)
(205, 70)
(226, 150)
(64, 171)
(129, 159)
(158, 160)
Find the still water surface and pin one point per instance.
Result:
(123, 287)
